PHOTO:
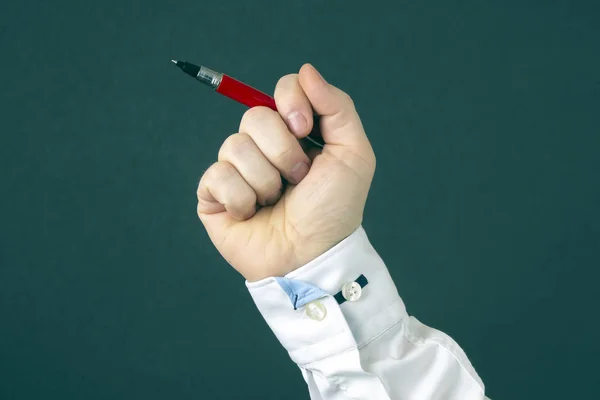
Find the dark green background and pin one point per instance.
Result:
(485, 120)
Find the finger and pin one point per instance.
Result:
(240, 151)
(276, 142)
(340, 123)
(293, 105)
(223, 188)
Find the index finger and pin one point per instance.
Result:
(293, 105)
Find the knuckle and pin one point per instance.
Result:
(348, 100)
(253, 116)
(234, 144)
(220, 171)
(215, 175)
(199, 191)
(204, 179)
(290, 96)
(285, 81)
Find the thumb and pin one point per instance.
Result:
(340, 123)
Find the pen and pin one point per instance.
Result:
(240, 92)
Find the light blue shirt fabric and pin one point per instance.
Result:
(300, 292)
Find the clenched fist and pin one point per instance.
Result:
(264, 225)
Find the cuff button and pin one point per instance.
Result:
(351, 291)
(316, 311)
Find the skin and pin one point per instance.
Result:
(260, 225)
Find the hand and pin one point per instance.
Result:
(260, 225)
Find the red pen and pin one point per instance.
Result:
(240, 92)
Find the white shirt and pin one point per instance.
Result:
(367, 347)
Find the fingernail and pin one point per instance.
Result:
(320, 76)
(297, 122)
(299, 171)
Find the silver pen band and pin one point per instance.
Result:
(209, 77)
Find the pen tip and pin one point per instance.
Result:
(174, 62)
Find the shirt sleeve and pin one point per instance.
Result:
(343, 323)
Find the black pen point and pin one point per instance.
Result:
(189, 68)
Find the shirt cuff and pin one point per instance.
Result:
(344, 326)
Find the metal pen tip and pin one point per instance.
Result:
(174, 62)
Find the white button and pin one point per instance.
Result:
(315, 310)
(351, 291)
